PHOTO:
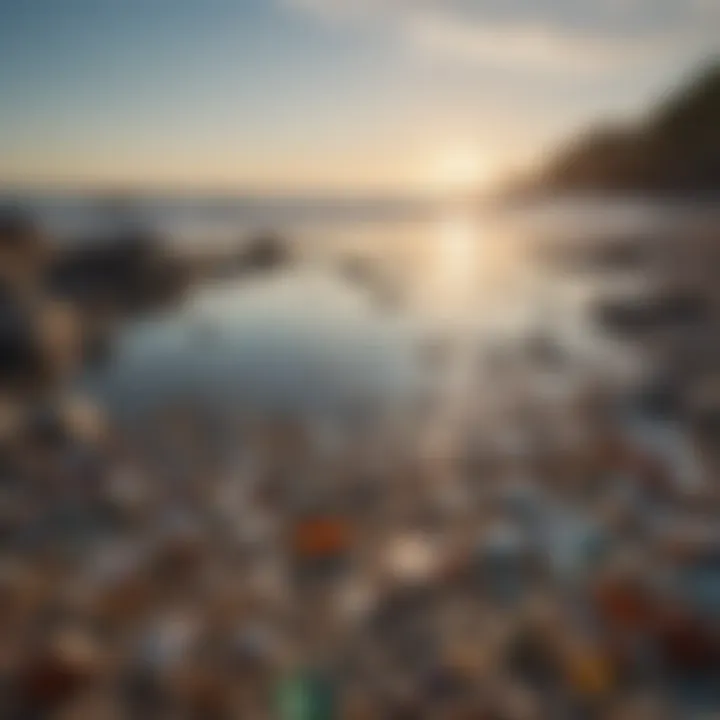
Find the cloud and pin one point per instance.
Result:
(556, 36)
(536, 46)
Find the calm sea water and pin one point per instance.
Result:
(438, 280)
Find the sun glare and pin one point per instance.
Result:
(462, 169)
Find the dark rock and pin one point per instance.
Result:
(265, 253)
(127, 273)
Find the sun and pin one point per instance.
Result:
(461, 169)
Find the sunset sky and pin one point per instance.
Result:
(331, 95)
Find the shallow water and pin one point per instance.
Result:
(441, 288)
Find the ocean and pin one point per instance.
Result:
(439, 280)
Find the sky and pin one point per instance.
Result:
(324, 95)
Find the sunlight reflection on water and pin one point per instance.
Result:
(309, 337)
